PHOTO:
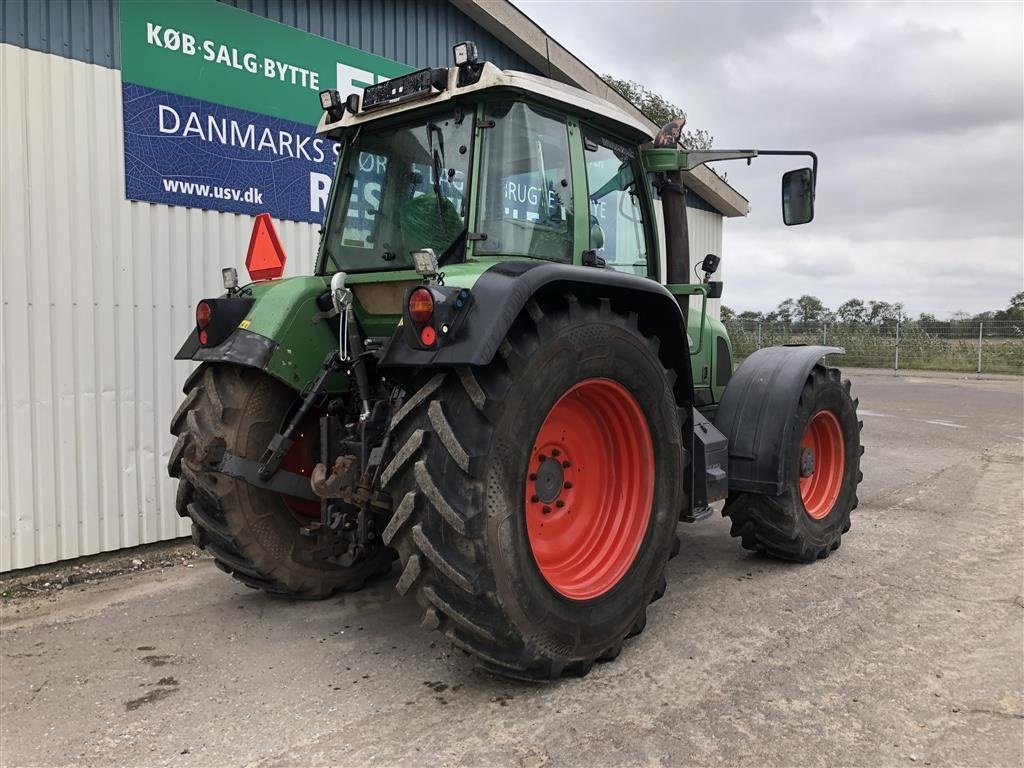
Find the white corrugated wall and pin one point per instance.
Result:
(705, 230)
(98, 294)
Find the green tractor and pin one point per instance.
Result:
(490, 381)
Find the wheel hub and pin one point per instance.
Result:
(549, 479)
(806, 462)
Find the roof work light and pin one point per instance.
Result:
(331, 103)
(465, 53)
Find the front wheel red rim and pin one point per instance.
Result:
(589, 488)
(822, 464)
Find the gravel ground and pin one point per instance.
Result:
(906, 647)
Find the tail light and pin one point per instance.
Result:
(421, 306)
(204, 314)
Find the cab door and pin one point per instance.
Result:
(619, 220)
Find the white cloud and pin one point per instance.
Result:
(916, 111)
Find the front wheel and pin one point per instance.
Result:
(821, 469)
(537, 497)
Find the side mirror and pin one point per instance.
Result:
(797, 197)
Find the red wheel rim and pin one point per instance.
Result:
(300, 459)
(822, 462)
(589, 488)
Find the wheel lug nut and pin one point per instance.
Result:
(567, 486)
(555, 452)
(559, 503)
(541, 458)
(534, 499)
(566, 464)
(546, 510)
(533, 477)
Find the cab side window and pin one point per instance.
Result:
(617, 216)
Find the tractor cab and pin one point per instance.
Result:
(478, 165)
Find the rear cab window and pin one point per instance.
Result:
(525, 203)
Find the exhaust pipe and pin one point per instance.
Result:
(673, 205)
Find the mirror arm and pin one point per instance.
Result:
(799, 153)
(694, 159)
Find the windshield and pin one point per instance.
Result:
(402, 188)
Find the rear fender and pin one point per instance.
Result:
(283, 332)
(503, 291)
(757, 412)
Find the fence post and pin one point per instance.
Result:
(824, 333)
(897, 366)
(981, 326)
(758, 334)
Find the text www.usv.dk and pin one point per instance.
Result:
(250, 195)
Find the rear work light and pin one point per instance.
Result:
(421, 306)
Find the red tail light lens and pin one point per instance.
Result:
(204, 314)
(421, 305)
(428, 336)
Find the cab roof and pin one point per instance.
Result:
(566, 97)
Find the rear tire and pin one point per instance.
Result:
(251, 532)
(808, 519)
(460, 478)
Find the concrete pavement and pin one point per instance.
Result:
(903, 648)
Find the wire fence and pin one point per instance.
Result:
(970, 346)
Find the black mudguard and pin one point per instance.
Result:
(503, 291)
(757, 410)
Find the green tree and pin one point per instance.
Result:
(1014, 313)
(810, 309)
(852, 311)
(659, 110)
(727, 313)
(880, 312)
(784, 313)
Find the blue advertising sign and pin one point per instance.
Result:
(220, 107)
(183, 151)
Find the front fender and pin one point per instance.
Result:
(757, 411)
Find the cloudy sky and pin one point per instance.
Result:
(916, 111)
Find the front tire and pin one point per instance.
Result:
(475, 469)
(822, 471)
(253, 534)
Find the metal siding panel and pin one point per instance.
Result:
(705, 237)
(420, 33)
(98, 293)
(417, 32)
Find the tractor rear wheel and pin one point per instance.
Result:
(253, 534)
(822, 470)
(537, 497)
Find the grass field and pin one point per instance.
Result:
(932, 347)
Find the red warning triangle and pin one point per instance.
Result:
(266, 257)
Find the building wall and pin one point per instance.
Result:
(419, 33)
(99, 292)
